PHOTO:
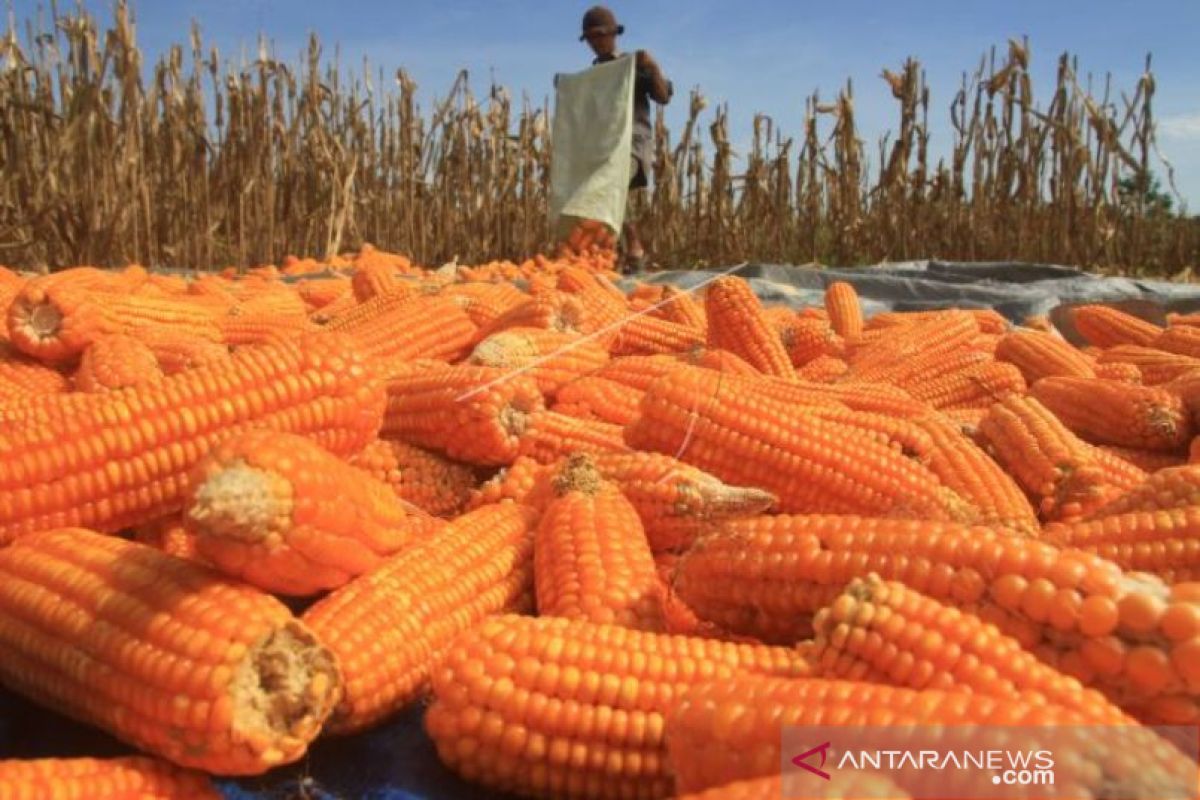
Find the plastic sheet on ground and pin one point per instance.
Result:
(397, 761)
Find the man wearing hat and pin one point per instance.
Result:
(600, 31)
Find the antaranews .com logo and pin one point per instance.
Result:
(986, 763)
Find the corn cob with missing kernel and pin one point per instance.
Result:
(553, 707)
(121, 778)
(111, 460)
(160, 652)
(283, 514)
(389, 627)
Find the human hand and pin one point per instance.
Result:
(645, 60)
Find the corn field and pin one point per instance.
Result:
(199, 163)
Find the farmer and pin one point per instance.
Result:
(600, 31)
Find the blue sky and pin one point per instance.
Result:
(756, 55)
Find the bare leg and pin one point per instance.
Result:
(634, 252)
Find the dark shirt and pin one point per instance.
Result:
(643, 136)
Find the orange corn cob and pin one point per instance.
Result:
(335, 309)
(552, 358)
(973, 387)
(641, 334)
(56, 321)
(161, 652)
(599, 398)
(822, 369)
(1041, 355)
(809, 339)
(1118, 371)
(720, 360)
(548, 436)
(485, 302)
(912, 349)
(21, 376)
(318, 293)
(117, 361)
(362, 313)
(390, 627)
(1058, 469)
(371, 279)
(1104, 326)
(638, 372)
(176, 352)
(1127, 635)
(169, 535)
(1169, 488)
(681, 307)
(281, 513)
(111, 460)
(523, 481)
(732, 729)
(427, 480)
(472, 414)
(553, 707)
(1149, 461)
(1163, 542)
(884, 632)
(122, 778)
(845, 311)
(751, 440)
(736, 323)
(1182, 340)
(987, 320)
(241, 329)
(1154, 366)
(1105, 412)
(424, 327)
(556, 311)
(591, 558)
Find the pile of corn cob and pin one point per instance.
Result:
(615, 539)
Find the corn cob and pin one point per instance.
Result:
(1041, 355)
(361, 314)
(21, 376)
(317, 293)
(484, 303)
(855, 784)
(973, 387)
(1155, 366)
(643, 334)
(371, 279)
(1169, 488)
(1182, 340)
(681, 307)
(161, 652)
(912, 349)
(1164, 542)
(242, 329)
(722, 731)
(424, 327)
(594, 397)
(427, 480)
(57, 321)
(987, 320)
(176, 352)
(1118, 371)
(548, 436)
(553, 707)
(884, 632)
(1054, 466)
(809, 339)
(389, 628)
(169, 535)
(591, 558)
(1104, 326)
(1105, 412)
(122, 778)
(823, 369)
(108, 461)
(1127, 635)
(117, 361)
(715, 358)
(470, 413)
(524, 481)
(736, 323)
(556, 311)
(281, 513)
(553, 358)
(1149, 461)
(809, 463)
(338, 308)
(845, 311)
(638, 372)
